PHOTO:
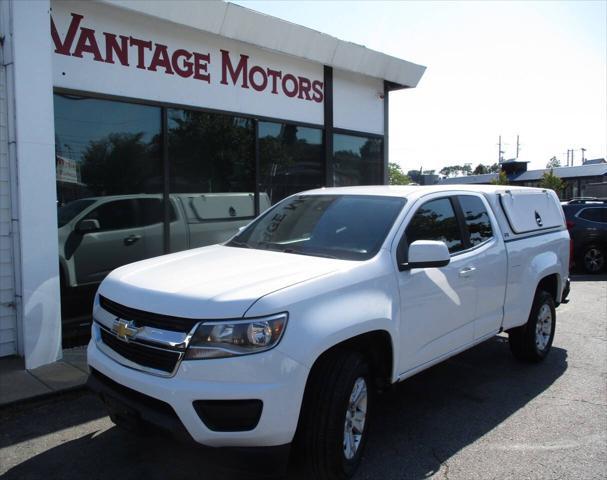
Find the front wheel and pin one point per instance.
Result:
(335, 416)
(532, 341)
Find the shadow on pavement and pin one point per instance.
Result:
(589, 277)
(416, 427)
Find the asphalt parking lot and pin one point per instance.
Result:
(480, 415)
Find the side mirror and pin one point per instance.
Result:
(88, 225)
(427, 254)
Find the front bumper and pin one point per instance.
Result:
(272, 377)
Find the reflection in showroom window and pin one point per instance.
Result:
(107, 156)
(291, 159)
(212, 176)
(357, 160)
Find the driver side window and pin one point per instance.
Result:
(116, 215)
(436, 220)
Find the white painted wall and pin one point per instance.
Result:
(87, 74)
(8, 311)
(358, 102)
(34, 151)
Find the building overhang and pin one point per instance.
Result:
(255, 28)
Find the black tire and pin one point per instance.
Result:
(526, 342)
(593, 258)
(322, 423)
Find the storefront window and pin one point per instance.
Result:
(357, 160)
(291, 159)
(212, 176)
(108, 166)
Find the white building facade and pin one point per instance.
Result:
(127, 126)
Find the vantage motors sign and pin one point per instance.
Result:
(97, 50)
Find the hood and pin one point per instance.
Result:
(210, 282)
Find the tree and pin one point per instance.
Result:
(495, 168)
(553, 182)
(553, 163)
(502, 179)
(480, 169)
(396, 176)
(456, 170)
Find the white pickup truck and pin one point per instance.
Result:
(285, 333)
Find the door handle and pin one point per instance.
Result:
(466, 272)
(131, 239)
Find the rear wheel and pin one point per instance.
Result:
(335, 416)
(532, 341)
(593, 258)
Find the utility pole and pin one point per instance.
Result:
(583, 155)
(572, 157)
(499, 150)
(517, 147)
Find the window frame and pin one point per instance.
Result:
(579, 212)
(402, 249)
(327, 128)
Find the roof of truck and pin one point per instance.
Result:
(407, 190)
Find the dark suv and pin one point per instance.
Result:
(587, 224)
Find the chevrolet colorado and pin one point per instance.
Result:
(284, 334)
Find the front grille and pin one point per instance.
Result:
(147, 319)
(146, 356)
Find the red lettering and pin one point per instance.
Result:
(274, 75)
(304, 88)
(64, 47)
(141, 46)
(264, 78)
(112, 47)
(186, 71)
(289, 78)
(317, 88)
(161, 59)
(200, 65)
(87, 43)
(227, 67)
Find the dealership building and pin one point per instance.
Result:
(130, 129)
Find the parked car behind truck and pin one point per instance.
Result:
(285, 333)
(99, 234)
(587, 224)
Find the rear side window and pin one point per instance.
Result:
(436, 220)
(595, 214)
(477, 219)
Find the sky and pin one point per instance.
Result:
(533, 69)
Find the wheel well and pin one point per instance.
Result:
(550, 284)
(376, 346)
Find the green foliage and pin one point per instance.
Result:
(553, 163)
(553, 182)
(502, 179)
(396, 176)
(480, 169)
(456, 170)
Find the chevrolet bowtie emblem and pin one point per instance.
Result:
(124, 329)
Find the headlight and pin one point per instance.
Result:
(228, 338)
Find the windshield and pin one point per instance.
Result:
(66, 213)
(348, 227)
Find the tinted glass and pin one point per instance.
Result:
(104, 150)
(350, 227)
(68, 211)
(357, 160)
(212, 165)
(477, 219)
(436, 220)
(596, 214)
(118, 215)
(151, 212)
(291, 159)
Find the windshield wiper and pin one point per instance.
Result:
(311, 254)
(236, 243)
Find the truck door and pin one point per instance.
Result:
(488, 261)
(437, 304)
(116, 242)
